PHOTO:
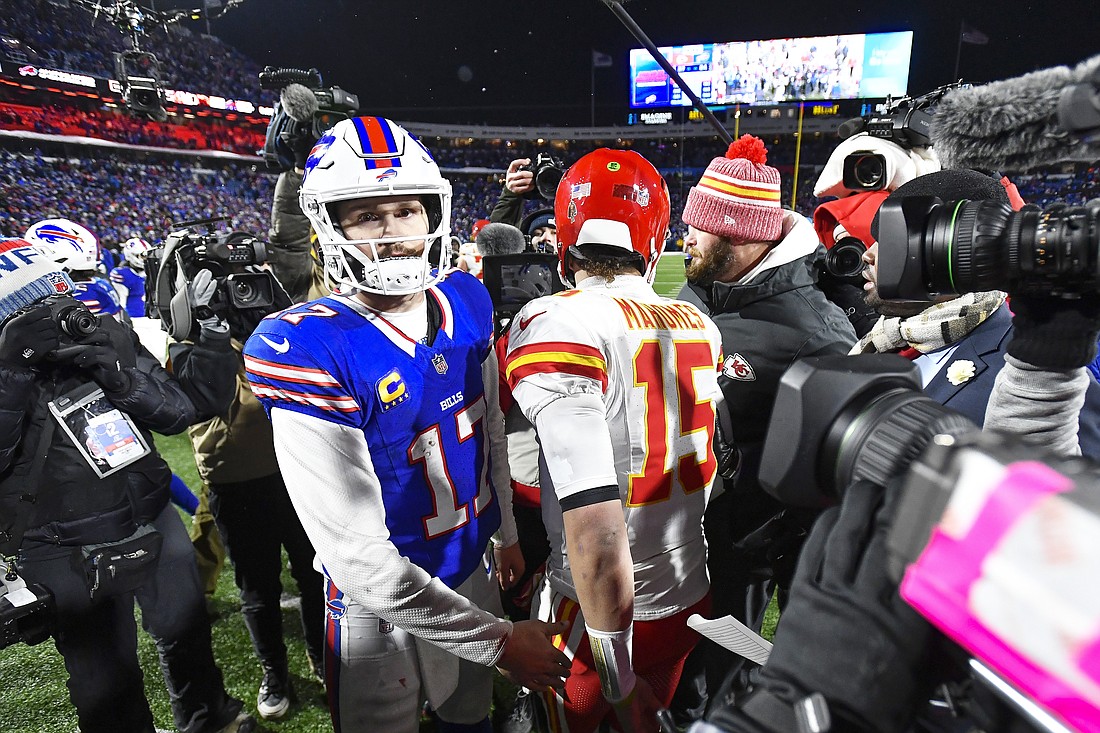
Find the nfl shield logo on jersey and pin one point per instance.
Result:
(439, 363)
(737, 367)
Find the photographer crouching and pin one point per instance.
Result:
(81, 486)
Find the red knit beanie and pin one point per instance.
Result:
(738, 195)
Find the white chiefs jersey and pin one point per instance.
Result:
(653, 364)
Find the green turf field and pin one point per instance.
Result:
(670, 274)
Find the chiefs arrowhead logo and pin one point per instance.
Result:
(737, 367)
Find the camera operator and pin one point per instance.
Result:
(752, 270)
(960, 342)
(85, 498)
(526, 180)
(291, 254)
(235, 456)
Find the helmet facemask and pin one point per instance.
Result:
(371, 158)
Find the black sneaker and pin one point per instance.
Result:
(274, 698)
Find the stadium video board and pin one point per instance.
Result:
(853, 66)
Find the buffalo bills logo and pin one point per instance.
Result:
(336, 608)
(391, 173)
(318, 153)
(53, 234)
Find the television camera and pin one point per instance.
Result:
(906, 122)
(974, 529)
(231, 256)
(301, 115)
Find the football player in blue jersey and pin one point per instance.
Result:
(383, 400)
(130, 275)
(76, 250)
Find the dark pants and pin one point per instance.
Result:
(737, 590)
(98, 641)
(173, 611)
(256, 520)
(535, 547)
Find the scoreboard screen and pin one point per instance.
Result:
(854, 66)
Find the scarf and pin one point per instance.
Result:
(932, 329)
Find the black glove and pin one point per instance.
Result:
(101, 359)
(846, 633)
(26, 339)
(300, 145)
(1055, 333)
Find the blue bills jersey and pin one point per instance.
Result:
(98, 295)
(421, 410)
(134, 282)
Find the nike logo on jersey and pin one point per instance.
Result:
(281, 348)
(524, 322)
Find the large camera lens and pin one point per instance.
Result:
(869, 171)
(77, 322)
(865, 171)
(839, 419)
(250, 290)
(547, 179)
(928, 247)
(845, 259)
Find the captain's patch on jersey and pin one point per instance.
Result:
(392, 390)
(737, 367)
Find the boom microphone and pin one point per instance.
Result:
(500, 239)
(1034, 120)
(299, 102)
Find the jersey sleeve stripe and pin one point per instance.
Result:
(325, 402)
(288, 372)
(564, 364)
(556, 346)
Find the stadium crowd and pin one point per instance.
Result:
(64, 36)
(118, 126)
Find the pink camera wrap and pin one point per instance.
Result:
(1012, 574)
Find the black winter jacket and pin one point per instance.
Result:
(73, 505)
(766, 325)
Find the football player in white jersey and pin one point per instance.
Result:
(391, 441)
(621, 385)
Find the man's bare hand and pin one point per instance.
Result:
(517, 181)
(531, 660)
(509, 565)
(638, 712)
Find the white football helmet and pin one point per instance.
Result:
(134, 250)
(70, 245)
(368, 157)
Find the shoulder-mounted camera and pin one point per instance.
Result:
(231, 257)
(906, 122)
(291, 125)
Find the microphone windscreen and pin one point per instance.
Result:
(1011, 125)
(299, 102)
(500, 239)
(850, 127)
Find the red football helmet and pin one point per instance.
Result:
(478, 226)
(613, 197)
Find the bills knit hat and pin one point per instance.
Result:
(27, 276)
(738, 195)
